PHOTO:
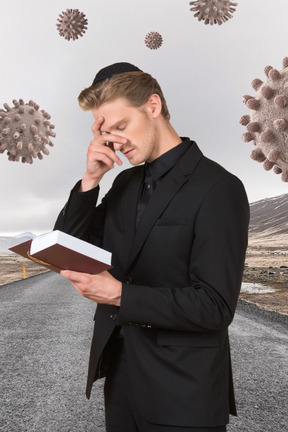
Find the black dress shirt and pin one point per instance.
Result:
(156, 171)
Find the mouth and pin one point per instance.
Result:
(127, 153)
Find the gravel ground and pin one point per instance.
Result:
(259, 345)
(46, 329)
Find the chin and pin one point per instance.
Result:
(134, 163)
(136, 160)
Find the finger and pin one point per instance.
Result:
(103, 152)
(96, 126)
(76, 277)
(108, 160)
(111, 139)
(108, 140)
(105, 155)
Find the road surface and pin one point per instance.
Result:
(46, 328)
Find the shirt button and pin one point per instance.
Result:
(113, 317)
(148, 186)
(129, 280)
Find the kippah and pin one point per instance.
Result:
(114, 69)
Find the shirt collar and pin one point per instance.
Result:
(165, 162)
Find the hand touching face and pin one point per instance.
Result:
(100, 156)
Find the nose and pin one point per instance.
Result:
(117, 146)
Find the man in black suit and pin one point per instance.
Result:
(177, 229)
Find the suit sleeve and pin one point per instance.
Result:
(216, 267)
(79, 214)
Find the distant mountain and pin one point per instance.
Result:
(5, 243)
(269, 217)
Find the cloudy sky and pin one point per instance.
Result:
(204, 71)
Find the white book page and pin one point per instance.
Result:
(58, 237)
(23, 237)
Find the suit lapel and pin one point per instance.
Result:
(160, 199)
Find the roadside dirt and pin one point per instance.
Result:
(11, 268)
(268, 266)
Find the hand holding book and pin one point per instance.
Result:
(82, 263)
(99, 288)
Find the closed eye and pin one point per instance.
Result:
(121, 128)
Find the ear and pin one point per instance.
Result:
(154, 106)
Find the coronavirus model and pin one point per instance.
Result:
(267, 124)
(25, 130)
(71, 24)
(213, 11)
(153, 40)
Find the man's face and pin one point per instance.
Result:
(133, 123)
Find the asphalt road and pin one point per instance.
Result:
(46, 327)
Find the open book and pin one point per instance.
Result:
(57, 251)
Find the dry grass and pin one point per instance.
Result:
(11, 268)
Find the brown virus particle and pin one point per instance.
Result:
(71, 24)
(153, 40)
(213, 11)
(267, 124)
(25, 130)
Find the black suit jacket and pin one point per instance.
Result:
(181, 272)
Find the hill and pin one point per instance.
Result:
(5, 243)
(269, 217)
(268, 232)
(269, 224)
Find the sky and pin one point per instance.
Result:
(203, 70)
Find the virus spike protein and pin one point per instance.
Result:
(267, 124)
(71, 24)
(213, 11)
(24, 131)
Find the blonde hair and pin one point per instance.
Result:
(136, 87)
